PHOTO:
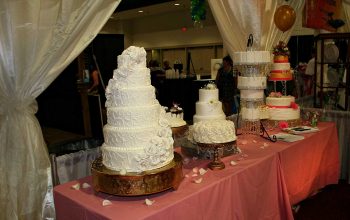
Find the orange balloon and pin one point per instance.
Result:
(284, 17)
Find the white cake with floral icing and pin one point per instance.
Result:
(213, 132)
(137, 134)
(208, 107)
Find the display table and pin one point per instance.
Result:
(263, 184)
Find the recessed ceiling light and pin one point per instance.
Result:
(177, 4)
(140, 11)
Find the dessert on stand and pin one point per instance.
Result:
(254, 67)
(214, 135)
(178, 125)
(282, 107)
(210, 127)
(137, 155)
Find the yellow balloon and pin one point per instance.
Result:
(284, 17)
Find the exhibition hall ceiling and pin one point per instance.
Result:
(131, 9)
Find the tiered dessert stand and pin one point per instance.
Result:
(253, 67)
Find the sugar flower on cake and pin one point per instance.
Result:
(155, 153)
(210, 85)
(281, 49)
(134, 55)
(275, 94)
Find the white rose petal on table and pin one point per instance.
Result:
(149, 202)
(244, 142)
(198, 181)
(86, 185)
(233, 163)
(106, 202)
(76, 186)
(202, 171)
(195, 170)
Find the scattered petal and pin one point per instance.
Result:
(195, 174)
(244, 142)
(76, 186)
(202, 171)
(86, 185)
(239, 150)
(194, 158)
(262, 147)
(187, 176)
(254, 141)
(122, 172)
(186, 160)
(198, 180)
(195, 170)
(233, 163)
(106, 202)
(266, 144)
(245, 155)
(149, 202)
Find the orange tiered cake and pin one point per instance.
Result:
(281, 67)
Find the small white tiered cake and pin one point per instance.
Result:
(282, 108)
(208, 106)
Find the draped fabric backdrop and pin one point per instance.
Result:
(346, 15)
(38, 39)
(237, 19)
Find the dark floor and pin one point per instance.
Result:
(331, 203)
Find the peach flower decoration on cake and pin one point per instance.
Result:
(275, 94)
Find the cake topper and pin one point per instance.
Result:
(210, 85)
(250, 42)
(281, 49)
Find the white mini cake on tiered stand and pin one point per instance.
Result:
(210, 126)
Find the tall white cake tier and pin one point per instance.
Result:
(137, 135)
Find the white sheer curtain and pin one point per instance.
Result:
(346, 11)
(237, 19)
(38, 39)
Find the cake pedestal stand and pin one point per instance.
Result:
(216, 164)
(137, 184)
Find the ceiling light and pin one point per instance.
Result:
(177, 4)
(140, 11)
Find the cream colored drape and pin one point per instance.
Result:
(346, 15)
(38, 39)
(237, 19)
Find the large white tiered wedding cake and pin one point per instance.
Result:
(137, 135)
(208, 107)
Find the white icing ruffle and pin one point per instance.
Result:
(220, 131)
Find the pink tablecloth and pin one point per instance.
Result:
(262, 185)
